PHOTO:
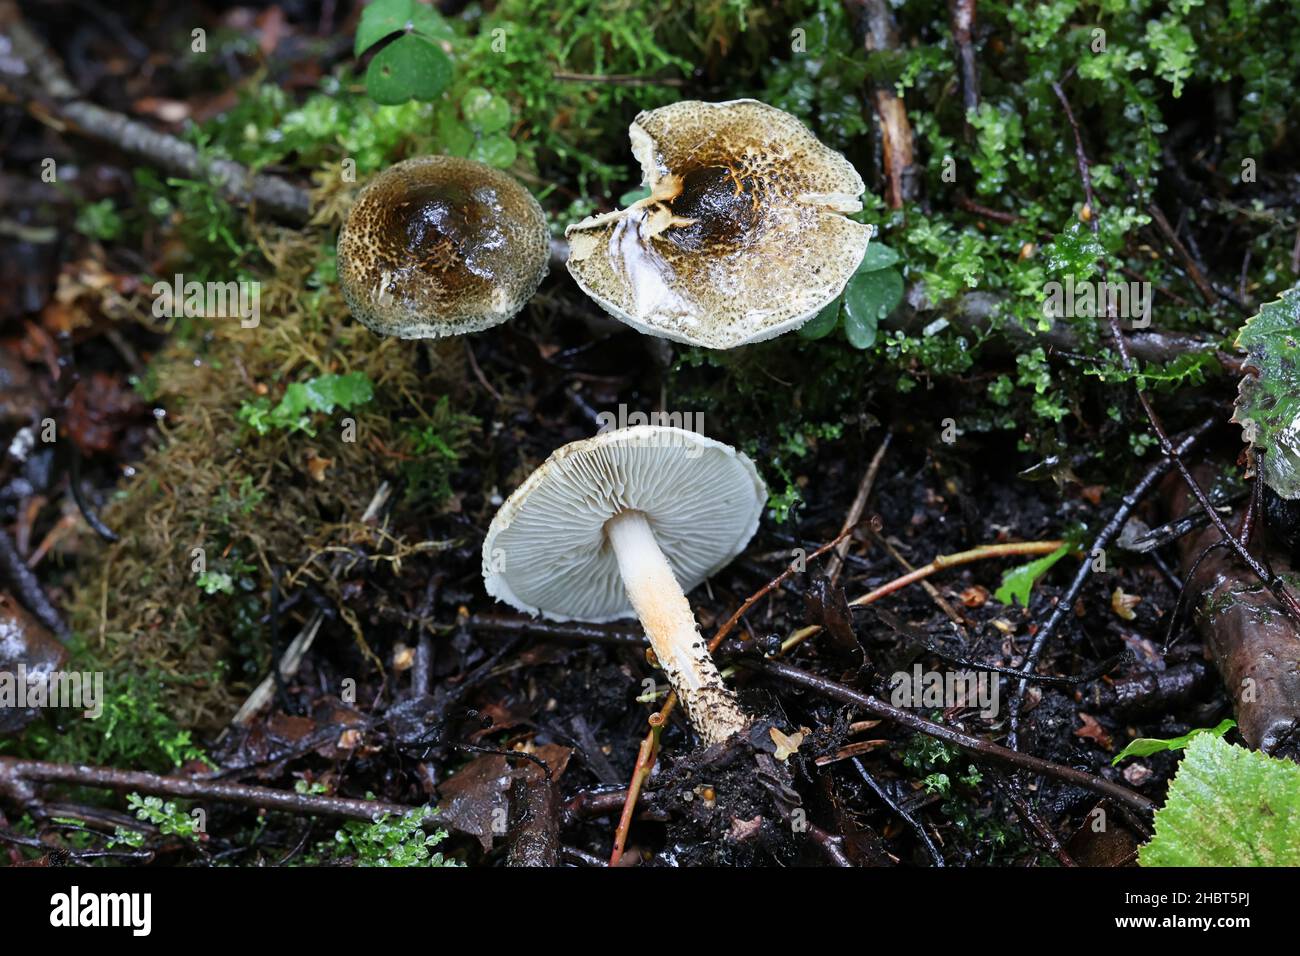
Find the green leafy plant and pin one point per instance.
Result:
(1228, 806)
(480, 130)
(873, 292)
(321, 394)
(413, 66)
(393, 841)
(1018, 582)
(216, 582)
(1268, 403)
(1146, 746)
(434, 448)
(166, 816)
(99, 220)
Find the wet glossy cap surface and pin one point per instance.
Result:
(439, 246)
(743, 236)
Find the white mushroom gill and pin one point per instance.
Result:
(624, 524)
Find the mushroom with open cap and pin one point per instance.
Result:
(743, 236)
(622, 525)
(438, 246)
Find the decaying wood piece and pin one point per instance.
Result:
(1254, 645)
(961, 15)
(534, 819)
(875, 28)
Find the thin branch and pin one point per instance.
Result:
(1101, 541)
(50, 96)
(975, 745)
(836, 563)
(16, 773)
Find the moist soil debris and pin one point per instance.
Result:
(308, 478)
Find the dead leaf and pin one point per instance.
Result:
(1093, 731)
(785, 746)
(1123, 604)
(317, 465)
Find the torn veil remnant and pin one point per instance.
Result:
(438, 246)
(743, 236)
(622, 525)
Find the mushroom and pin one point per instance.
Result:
(622, 525)
(438, 246)
(743, 236)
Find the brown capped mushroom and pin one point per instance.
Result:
(743, 236)
(439, 246)
(622, 525)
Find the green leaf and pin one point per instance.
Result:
(878, 256)
(408, 68)
(214, 582)
(484, 111)
(380, 19)
(823, 323)
(1228, 806)
(633, 196)
(1019, 581)
(1268, 404)
(322, 394)
(453, 137)
(497, 150)
(1146, 746)
(428, 22)
(868, 298)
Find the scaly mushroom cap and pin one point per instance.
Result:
(546, 550)
(743, 235)
(438, 246)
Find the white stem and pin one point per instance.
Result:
(666, 616)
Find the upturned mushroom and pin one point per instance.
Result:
(742, 237)
(438, 246)
(622, 525)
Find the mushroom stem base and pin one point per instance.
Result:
(674, 636)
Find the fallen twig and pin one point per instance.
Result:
(28, 588)
(983, 748)
(836, 563)
(940, 563)
(875, 28)
(16, 775)
(1103, 539)
(51, 96)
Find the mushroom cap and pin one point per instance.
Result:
(440, 245)
(743, 236)
(546, 551)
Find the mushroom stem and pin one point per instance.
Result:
(670, 625)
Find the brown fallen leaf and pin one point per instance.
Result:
(317, 465)
(1091, 730)
(975, 596)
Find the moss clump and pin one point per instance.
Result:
(219, 503)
